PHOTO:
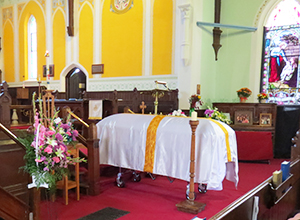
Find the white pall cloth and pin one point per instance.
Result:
(123, 140)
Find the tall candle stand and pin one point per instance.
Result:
(190, 205)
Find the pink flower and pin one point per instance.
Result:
(42, 129)
(68, 133)
(48, 150)
(56, 159)
(65, 126)
(75, 133)
(209, 112)
(59, 137)
(38, 160)
(50, 133)
(62, 148)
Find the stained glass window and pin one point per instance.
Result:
(285, 13)
(280, 73)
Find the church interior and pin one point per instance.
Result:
(207, 98)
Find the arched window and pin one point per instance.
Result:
(281, 54)
(285, 13)
(32, 49)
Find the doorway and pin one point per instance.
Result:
(75, 83)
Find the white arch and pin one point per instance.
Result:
(257, 39)
(26, 4)
(56, 11)
(82, 6)
(66, 70)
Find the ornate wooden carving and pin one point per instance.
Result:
(48, 106)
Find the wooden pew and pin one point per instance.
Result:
(275, 203)
(133, 100)
(16, 200)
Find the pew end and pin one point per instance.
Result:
(266, 201)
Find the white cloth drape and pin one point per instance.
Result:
(123, 139)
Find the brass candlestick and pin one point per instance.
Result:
(157, 93)
(190, 205)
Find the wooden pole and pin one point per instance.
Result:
(190, 205)
(217, 31)
(36, 203)
(193, 125)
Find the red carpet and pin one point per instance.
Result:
(156, 199)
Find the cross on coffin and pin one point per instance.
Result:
(143, 106)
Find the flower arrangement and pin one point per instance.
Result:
(244, 92)
(262, 96)
(215, 114)
(47, 156)
(195, 101)
(178, 112)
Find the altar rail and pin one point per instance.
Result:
(274, 203)
(119, 100)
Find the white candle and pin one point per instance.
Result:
(194, 116)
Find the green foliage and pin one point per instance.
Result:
(215, 114)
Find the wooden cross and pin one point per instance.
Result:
(143, 106)
(70, 27)
(217, 31)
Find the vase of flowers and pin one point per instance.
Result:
(47, 156)
(262, 97)
(243, 94)
(195, 103)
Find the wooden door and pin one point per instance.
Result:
(75, 84)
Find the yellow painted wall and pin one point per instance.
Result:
(8, 49)
(86, 38)
(162, 37)
(32, 8)
(122, 41)
(59, 43)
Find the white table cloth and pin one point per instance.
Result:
(123, 140)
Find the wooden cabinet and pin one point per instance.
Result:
(255, 109)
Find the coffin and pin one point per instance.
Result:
(125, 139)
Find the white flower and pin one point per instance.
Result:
(59, 153)
(51, 142)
